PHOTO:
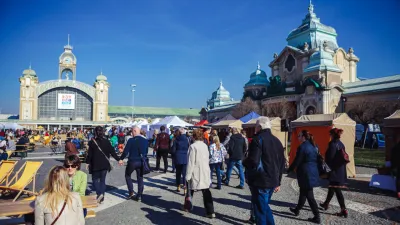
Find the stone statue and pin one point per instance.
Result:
(351, 51)
(275, 55)
(305, 47)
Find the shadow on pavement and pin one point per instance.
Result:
(392, 214)
(171, 214)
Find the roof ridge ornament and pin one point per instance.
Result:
(311, 8)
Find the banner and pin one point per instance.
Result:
(66, 101)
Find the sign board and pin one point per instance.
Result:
(66, 101)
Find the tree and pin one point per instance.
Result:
(283, 109)
(245, 107)
(367, 112)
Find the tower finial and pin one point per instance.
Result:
(30, 65)
(68, 39)
(311, 8)
(220, 82)
(258, 65)
(101, 71)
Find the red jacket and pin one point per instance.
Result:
(162, 141)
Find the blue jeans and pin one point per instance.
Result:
(231, 164)
(134, 166)
(217, 167)
(235, 169)
(260, 199)
(99, 181)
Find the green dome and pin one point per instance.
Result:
(322, 60)
(101, 77)
(258, 77)
(29, 72)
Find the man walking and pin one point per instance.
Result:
(135, 149)
(264, 167)
(236, 150)
(162, 149)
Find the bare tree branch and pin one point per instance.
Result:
(245, 107)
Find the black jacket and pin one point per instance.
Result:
(338, 175)
(271, 153)
(96, 159)
(237, 147)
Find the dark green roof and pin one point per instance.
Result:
(153, 111)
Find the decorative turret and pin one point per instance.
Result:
(28, 99)
(313, 32)
(322, 60)
(67, 63)
(258, 77)
(100, 103)
(219, 97)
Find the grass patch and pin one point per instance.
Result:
(369, 157)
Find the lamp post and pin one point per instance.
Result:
(133, 97)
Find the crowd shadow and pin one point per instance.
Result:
(172, 214)
(392, 214)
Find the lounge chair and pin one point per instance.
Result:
(28, 175)
(6, 169)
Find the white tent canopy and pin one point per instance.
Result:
(156, 120)
(13, 126)
(170, 121)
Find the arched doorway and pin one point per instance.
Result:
(310, 110)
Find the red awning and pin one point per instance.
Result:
(201, 123)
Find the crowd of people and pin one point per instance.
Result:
(196, 155)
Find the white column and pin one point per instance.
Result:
(353, 71)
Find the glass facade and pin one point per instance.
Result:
(48, 108)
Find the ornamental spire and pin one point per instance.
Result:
(258, 65)
(311, 8)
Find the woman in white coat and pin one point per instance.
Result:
(198, 171)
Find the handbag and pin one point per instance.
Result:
(341, 157)
(323, 167)
(187, 204)
(111, 166)
(59, 214)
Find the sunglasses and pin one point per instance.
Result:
(70, 166)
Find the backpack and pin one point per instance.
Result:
(163, 141)
(121, 139)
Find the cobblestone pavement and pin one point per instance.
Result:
(162, 204)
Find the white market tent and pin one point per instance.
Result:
(13, 126)
(170, 121)
(155, 121)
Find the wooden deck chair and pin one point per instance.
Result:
(6, 169)
(27, 176)
(9, 153)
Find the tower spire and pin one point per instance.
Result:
(30, 65)
(220, 82)
(311, 8)
(258, 65)
(68, 34)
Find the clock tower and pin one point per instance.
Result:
(67, 64)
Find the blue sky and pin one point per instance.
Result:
(176, 51)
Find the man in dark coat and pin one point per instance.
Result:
(264, 167)
(162, 149)
(236, 150)
(135, 149)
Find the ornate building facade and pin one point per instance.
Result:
(64, 99)
(309, 72)
(219, 105)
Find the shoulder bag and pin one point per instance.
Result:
(323, 167)
(111, 166)
(59, 214)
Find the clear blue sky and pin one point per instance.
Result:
(176, 51)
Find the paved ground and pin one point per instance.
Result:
(161, 203)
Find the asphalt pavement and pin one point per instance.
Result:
(161, 203)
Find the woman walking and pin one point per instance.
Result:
(217, 155)
(98, 161)
(337, 177)
(58, 205)
(180, 149)
(306, 167)
(198, 171)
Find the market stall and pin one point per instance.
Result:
(319, 126)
